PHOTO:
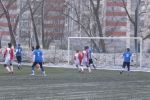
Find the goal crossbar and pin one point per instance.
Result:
(107, 38)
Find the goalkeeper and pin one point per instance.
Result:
(127, 55)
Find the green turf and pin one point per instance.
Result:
(69, 84)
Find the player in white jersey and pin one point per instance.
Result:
(9, 56)
(85, 60)
(77, 61)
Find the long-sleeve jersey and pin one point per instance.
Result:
(9, 53)
(127, 56)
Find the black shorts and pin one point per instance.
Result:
(19, 59)
(35, 63)
(126, 64)
(90, 61)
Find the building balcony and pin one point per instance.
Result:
(120, 4)
(116, 14)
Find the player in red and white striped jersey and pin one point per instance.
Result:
(9, 57)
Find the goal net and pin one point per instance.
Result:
(107, 51)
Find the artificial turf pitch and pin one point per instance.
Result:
(69, 84)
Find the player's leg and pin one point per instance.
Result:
(11, 68)
(81, 65)
(6, 66)
(33, 65)
(88, 66)
(128, 66)
(92, 63)
(123, 67)
(42, 68)
(18, 60)
(76, 64)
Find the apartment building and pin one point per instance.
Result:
(116, 18)
(54, 20)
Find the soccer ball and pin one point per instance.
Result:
(38, 67)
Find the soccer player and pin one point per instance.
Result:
(19, 56)
(77, 60)
(91, 56)
(127, 58)
(9, 56)
(38, 59)
(85, 60)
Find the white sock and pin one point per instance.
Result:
(11, 68)
(89, 69)
(8, 69)
(33, 72)
(82, 69)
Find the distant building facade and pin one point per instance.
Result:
(51, 15)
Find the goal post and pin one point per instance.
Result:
(106, 38)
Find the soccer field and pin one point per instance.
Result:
(68, 84)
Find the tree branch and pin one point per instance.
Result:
(132, 21)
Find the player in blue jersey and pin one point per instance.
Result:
(19, 55)
(91, 56)
(38, 59)
(127, 56)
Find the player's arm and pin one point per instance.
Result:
(123, 55)
(131, 57)
(12, 54)
(33, 59)
(74, 57)
(16, 51)
(5, 52)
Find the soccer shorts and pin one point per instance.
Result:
(126, 64)
(19, 59)
(77, 62)
(8, 62)
(90, 61)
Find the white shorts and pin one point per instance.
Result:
(8, 61)
(84, 61)
(77, 62)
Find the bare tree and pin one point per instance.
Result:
(6, 12)
(47, 38)
(134, 20)
(96, 11)
(32, 12)
(89, 21)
